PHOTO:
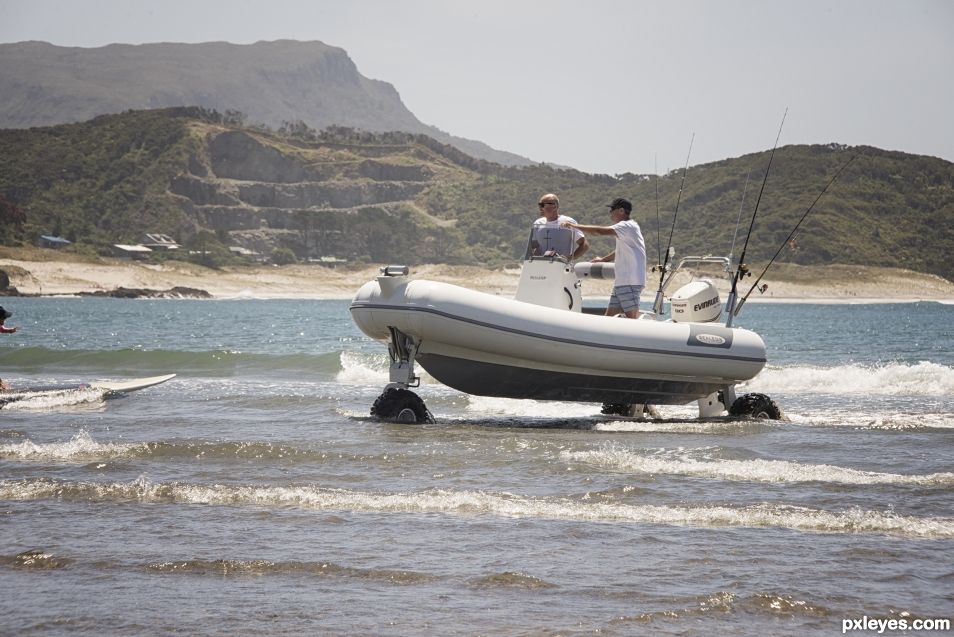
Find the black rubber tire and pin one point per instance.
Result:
(401, 405)
(616, 409)
(757, 406)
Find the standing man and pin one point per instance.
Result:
(550, 217)
(629, 255)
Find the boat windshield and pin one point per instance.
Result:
(547, 240)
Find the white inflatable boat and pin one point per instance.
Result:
(541, 345)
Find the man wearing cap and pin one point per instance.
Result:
(4, 315)
(550, 217)
(629, 255)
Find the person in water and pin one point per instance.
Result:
(550, 217)
(4, 315)
(629, 255)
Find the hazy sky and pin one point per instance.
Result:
(601, 85)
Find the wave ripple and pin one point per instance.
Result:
(477, 503)
(682, 462)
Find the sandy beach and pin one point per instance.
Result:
(786, 283)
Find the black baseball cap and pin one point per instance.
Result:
(619, 202)
(4, 314)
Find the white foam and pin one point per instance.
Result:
(669, 426)
(363, 369)
(50, 400)
(894, 421)
(477, 503)
(493, 406)
(699, 463)
(675, 419)
(80, 447)
(371, 369)
(893, 379)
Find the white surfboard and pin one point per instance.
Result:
(110, 387)
(122, 386)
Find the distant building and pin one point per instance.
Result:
(239, 251)
(137, 252)
(156, 241)
(51, 242)
(328, 262)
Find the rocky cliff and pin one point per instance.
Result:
(270, 82)
(244, 185)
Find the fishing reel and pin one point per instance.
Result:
(666, 266)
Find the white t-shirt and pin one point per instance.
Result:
(630, 254)
(542, 221)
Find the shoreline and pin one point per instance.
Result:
(791, 284)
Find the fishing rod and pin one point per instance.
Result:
(658, 303)
(741, 270)
(745, 187)
(658, 238)
(792, 233)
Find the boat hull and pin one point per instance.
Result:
(486, 345)
(508, 381)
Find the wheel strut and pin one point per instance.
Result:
(397, 403)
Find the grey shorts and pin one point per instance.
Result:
(626, 297)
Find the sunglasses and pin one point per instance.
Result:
(547, 203)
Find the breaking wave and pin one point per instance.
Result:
(702, 464)
(364, 368)
(83, 448)
(50, 400)
(358, 368)
(483, 503)
(893, 379)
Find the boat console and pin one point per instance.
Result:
(547, 278)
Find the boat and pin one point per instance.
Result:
(544, 345)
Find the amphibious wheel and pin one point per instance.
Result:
(401, 405)
(756, 406)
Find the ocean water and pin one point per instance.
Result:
(254, 495)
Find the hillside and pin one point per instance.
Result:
(373, 198)
(269, 82)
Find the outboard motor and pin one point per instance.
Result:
(696, 302)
